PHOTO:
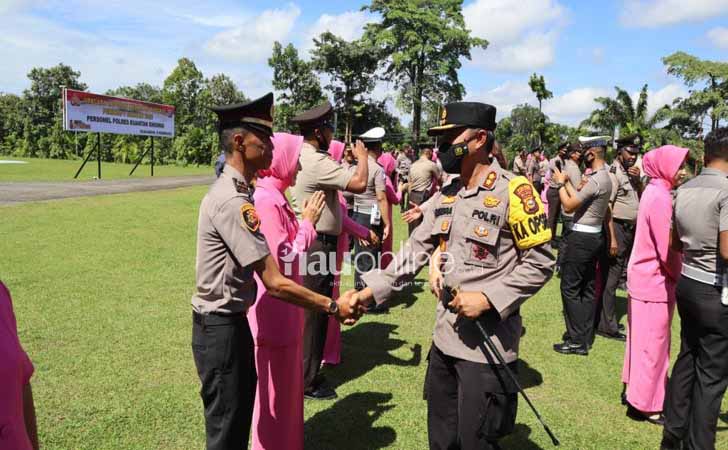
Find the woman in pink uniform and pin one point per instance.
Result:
(277, 326)
(652, 274)
(332, 348)
(394, 196)
(17, 412)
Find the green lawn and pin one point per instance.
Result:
(102, 288)
(38, 169)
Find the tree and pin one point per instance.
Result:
(538, 87)
(425, 41)
(710, 102)
(621, 112)
(351, 67)
(298, 87)
(375, 114)
(222, 90)
(183, 88)
(11, 122)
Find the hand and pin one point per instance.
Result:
(634, 171)
(613, 247)
(469, 304)
(402, 187)
(385, 233)
(360, 151)
(412, 214)
(313, 206)
(350, 309)
(559, 177)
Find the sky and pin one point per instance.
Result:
(583, 48)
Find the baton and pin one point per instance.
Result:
(491, 346)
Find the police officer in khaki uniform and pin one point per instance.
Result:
(371, 209)
(700, 374)
(230, 249)
(319, 172)
(423, 174)
(573, 171)
(404, 163)
(492, 230)
(552, 194)
(589, 201)
(627, 188)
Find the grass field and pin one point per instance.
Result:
(38, 169)
(102, 288)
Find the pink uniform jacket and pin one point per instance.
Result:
(653, 267)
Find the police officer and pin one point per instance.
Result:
(520, 163)
(552, 194)
(491, 228)
(700, 374)
(627, 188)
(533, 168)
(230, 248)
(573, 170)
(371, 209)
(404, 163)
(589, 201)
(423, 175)
(321, 173)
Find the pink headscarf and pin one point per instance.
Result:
(286, 150)
(336, 150)
(662, 163)
(387, 161)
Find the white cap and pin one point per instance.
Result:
(376, 134)
(594, 141)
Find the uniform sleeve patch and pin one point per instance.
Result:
(526, 215)
(249, 218)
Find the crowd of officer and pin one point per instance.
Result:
(490, 235)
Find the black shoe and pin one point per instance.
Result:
(618, 336)
(320, 393)
(620, 327)
(570, 348)
(624, 396)
(637, 415)
(378, 309)
(523, 331)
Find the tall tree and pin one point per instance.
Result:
(538, 87)
(297, 86)
(710, 99)
(623, 113)
(222, 90)
(426, 41)
(351, 68)
(182, 88)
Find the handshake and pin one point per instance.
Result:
(351, 306)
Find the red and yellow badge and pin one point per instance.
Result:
(528, 199)
(480, 252)
(490, 180)
(491, 202)
(448, 200)
(249, 218)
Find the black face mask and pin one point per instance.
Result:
(451, 156)
(628, 163)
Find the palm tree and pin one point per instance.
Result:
(621, 112)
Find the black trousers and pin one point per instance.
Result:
(567, 223)
(318, 277)
(418, 198)
(223, 351)
(700, 374)
(470, 406)
(366, 258)
(606, 317)
(578, 279)
(552, 195)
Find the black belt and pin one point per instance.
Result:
(213, 319)
(625, 223)
(328, 239)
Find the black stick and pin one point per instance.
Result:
(491, 346)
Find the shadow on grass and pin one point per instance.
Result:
(528, 376)
(519, 439)
(349, 424)
(367, 346)
(408, 295)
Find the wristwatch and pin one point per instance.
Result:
(333, 308)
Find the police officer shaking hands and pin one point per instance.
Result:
(492, 231)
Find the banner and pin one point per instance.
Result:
(84, 111)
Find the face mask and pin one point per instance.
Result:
(451, 156)
(628, 163)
